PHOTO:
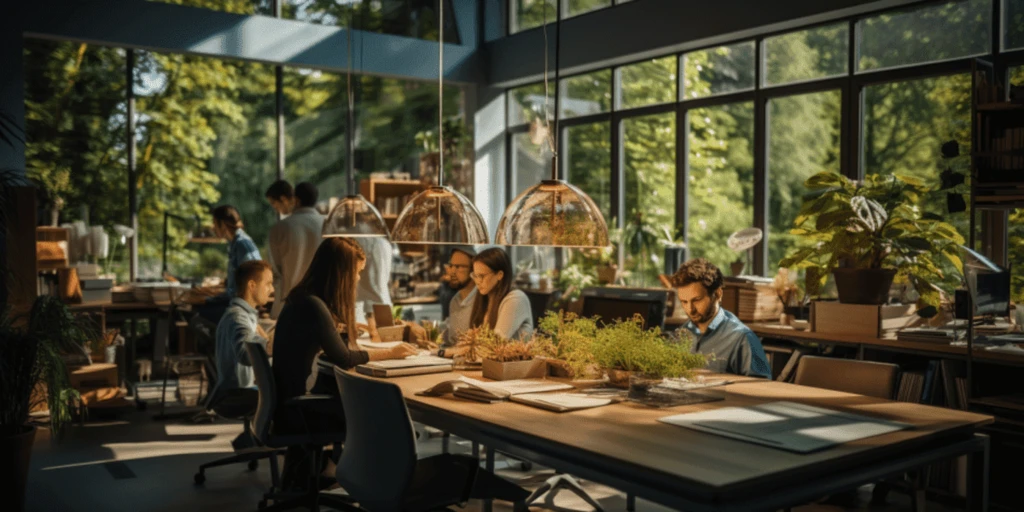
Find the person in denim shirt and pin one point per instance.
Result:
(733, 347)
(240, 325)
(228, 224)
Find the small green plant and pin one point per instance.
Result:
(876, 224)
(626, 345)
(573, 278)
(568, 338)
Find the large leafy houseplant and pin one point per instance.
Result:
(875, 225)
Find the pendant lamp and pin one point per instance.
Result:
(440, 215)
(553, 212)
(353, 216)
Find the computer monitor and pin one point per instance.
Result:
(611, 304)
(987, 283)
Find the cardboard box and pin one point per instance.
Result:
(874, 321)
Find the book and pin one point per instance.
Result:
(561, 402)
(490, 392)
(414, 365)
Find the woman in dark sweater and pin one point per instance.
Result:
(319, 315)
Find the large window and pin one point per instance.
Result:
(1016, 256)
(905, 125)
(576, 7)
(718, 70)
(647, 83)
(940, 32)
(1013, 24)
(720, 183)
(807, 55)
(526, 14)
(586, 94)
(528, 103)
(588, 160)
(803, 140)
(649, 157)
(410, 19)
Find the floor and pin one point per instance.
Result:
(132, 462)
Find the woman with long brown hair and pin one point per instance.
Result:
(319, 315)
(499, 306)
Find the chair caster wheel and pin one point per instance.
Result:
(199, 478)
(253, 464)
(526, 466)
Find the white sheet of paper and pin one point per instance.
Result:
(519, 387)
(382, 345)
(410, 362)
(569, 400)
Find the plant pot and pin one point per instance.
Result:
(619, 378)
(863, 285)
(15, 453)
(607, 274)
(110, 354)
(512, 370)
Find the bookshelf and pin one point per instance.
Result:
(390, 197)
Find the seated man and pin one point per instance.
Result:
(736, 349)
(254, 282)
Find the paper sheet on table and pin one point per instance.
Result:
(381, 345)
(410, 362)
(520, 386)
(786, 425)
(561, 402)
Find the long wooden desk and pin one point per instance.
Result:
(936, 349)
(625, 447)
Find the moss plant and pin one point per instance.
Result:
(569, 338)
(626, 345)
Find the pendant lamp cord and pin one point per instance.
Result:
(552, 135)
(440, 93)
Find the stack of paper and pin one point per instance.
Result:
(473, 389)
(414, 365)
(561, 402)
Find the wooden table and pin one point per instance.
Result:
(625, 447)
(939, 349)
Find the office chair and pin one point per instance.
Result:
(851, 376)
(240, 404)
(379, 467)
(312, 441)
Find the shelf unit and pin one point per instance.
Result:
(390, 196)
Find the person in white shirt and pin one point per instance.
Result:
(293, 241)
(458, 269)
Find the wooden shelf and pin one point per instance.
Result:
(1008, 402)
(1000, 107)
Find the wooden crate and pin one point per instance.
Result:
(751, 303)
(874, 321)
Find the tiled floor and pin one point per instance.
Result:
(134, 463)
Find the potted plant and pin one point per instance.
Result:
(624, 349)
(868, 233)
(32, 369)
(568, 338)
(501, 358)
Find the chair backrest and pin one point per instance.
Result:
(852, 376)
(267, 389)
(379, 459)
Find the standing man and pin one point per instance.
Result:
(717, 332)
(457, 278)
(281, 197)
(240, 325)
(293, 240)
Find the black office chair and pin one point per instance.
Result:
(312, 441)
(240, 404)
(379, 466)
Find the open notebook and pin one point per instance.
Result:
(473, 389)
(562, 402)
(786, 425)
(413, 365)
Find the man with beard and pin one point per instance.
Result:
(457, 279)
(735, 348)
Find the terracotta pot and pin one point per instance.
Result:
(618, 378)
(863, 285)
(15, 454)
(512, 370)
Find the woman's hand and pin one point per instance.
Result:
(401, 351)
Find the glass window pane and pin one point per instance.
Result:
(315, 124)
(803, 140)
(1013, 24)
(232, 6)
(576, 7)
(75, 113)
(527, 103)
(947, 31)
(720, 196)
(527, 14)
(1017, 76)
(588, 160)
(531, 163)
(410, 19)
(1016, 257)
(807, 55)
(905, 125)
(649, 151)
(718, 70)
(648, 83)
(586, 94)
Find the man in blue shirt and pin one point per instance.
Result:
(240, 325)
(731, 346)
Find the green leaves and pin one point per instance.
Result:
(825, 180)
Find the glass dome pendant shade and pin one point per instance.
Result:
(440, 214)
(553, 213)
(354, 216)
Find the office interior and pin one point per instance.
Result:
(854, 169)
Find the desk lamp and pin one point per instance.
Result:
(743, 240)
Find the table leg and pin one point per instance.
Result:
(489, 466)
(977, 477)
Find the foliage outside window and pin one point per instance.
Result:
(928, 34)
(527, 14)
(647, 83)
(720, 183)
(1015, 254)
(588, 161)
(577, 7)
(586, 94)
(527, 103)
(718, 70)
(803, 140)
(1013, 23)
(231, 6)
(531, 163)
(905, 125)
(649, 157)
(799, 56)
